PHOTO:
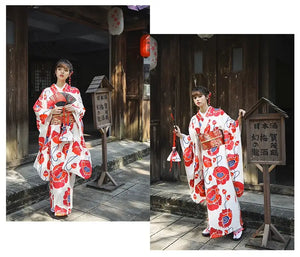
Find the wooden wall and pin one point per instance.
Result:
(17, 87)
(131, 114)
(173, 79)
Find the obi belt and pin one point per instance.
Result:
(211, 139)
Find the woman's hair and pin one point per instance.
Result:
(200, 90)
(65, 64)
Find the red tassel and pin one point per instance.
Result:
(208, 100)
(70, 78)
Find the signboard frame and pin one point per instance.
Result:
(99, 107)
(281, 137)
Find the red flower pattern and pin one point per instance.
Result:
(214, 233)
(60, 211)
(67, 197)
(188, 155)
(213, 198)
(221, 174)
(196, 165)
(199, 188)
(213, 151)
(207, 162)
(233, 161)
(85, 169)
(76, 148)
(214, 112)
(239, 188)
(225, 218)
(59, 176)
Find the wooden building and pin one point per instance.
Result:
(38, 36)
(238, 70)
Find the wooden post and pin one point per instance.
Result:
(267, 230)
(266, 149)
(102, 182)
(267, 205)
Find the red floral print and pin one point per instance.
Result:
(199, 188)
(239, 188)
(55, 137)
(221, 174)
(41, 158)
(214, 112)
(191, 182)
(65, 149)
(60, 211)
(225, 218)
(43, 118)
(214, 233)
(76, 148)
(213, 198)
(207, 162)
(67, 197)
(196, 165)
(213, 151)
(233, 161)
(85, 169)
(188, 155)
(59, 176)
(41, 141)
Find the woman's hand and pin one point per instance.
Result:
(69, 108)
(56, 110)
(242, 113)
(177, 131)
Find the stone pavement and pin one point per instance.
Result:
(24, 187)
(129, 202)
(176, 232)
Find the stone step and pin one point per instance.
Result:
(24, 187)
(173, 197)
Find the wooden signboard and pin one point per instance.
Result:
(266, 139)
(100, 88)
(102, 108)
(266, 147)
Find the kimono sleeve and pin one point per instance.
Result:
(78, 105)
(192, 162)
(233, 150)
(42, 112)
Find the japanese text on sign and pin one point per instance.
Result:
(265, 140)
(102, 108)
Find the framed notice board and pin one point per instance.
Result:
(102, 108)
(266, 139)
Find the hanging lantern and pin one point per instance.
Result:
(145, 46)
(153, 53)
(205, 36)
(115, 21)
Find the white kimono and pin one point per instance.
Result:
(215, 175)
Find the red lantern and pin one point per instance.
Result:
(145, 46)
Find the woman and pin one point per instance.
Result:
(62, 152)
(212, 155)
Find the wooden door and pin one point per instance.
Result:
(134, 87)
(237, 72)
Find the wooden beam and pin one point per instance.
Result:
(94, 16)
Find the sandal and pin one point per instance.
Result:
(205, 232)
(237, 234)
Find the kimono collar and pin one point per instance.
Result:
(55, 88)
(201, 115)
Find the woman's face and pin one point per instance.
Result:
(200, 100)
(62, 73)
